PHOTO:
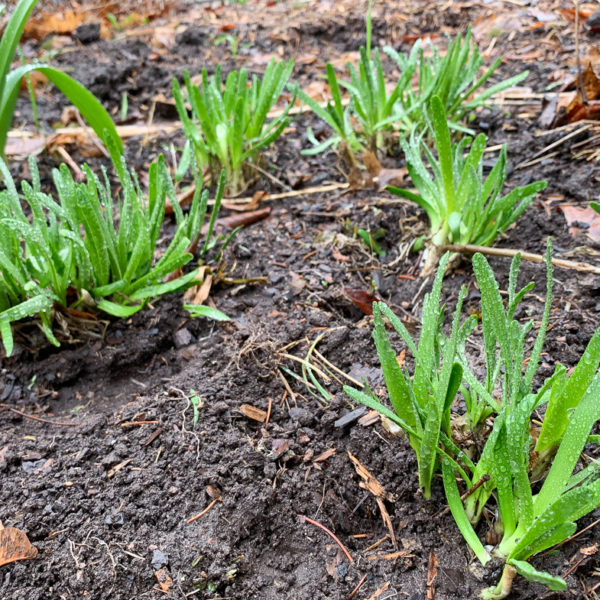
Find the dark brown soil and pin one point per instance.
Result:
(107, 502)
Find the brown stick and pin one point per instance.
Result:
(557, 262)
(269, 410)
(355, 590)
(302, 519)
(201, 514)
(578, 57)
(40, 419)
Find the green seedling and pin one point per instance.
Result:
(79, 244)
(208, 312)
(231, 40)
(463, 206)
(454, 78)
(229, 127)
(421, 402)
(376, 109)
(197, 404)
(87, 104)
(504, 470)
(371, 239)
(532, 522)
(344, 139)
(124, 106)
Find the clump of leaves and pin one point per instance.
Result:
(454, 78)
(373, 112)
(421, 402)
(371, 106)
(229, 127)
(82, 243)
(463, 206)
(516, 454)
(81, 98)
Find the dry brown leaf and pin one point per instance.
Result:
(362, 300)
(14, 545)
(25, 146)
(485, 26)
(577, 109)
(297, 283)
(256, 414)
(431, 575)
(372, 163)
(199, 293)
(378, 592)
(577, 217)
(53, 23)
(337, 255)
(317, 90)
(391, 177)
(164, 579)
(164, 37)
(371, 484)
(359, 179)
(214, 492)
(368, 481)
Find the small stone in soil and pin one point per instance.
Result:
(350, 417)
(159, 559)
(182, 337)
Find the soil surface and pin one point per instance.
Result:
(145, 422)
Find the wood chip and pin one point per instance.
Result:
(118, 467)
(164, 580)
(372, 485)
(325, 455)
(256, 414)
(369, 419)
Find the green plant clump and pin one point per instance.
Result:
(463, 207)
(453, 78)
(81, 98)
(81, 243)
(510, 460)
(229, 127)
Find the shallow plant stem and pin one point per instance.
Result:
(502, 590)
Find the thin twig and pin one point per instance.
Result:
(579, 73)
(307, 364)
(269, 410)
(355, 590)
(322, 189)
(302, 519)
(337, 370)
(77, 172)
(40, 419)
(202, 513)
(542, 154)
(91, 136)
(274, 179)
(507, 252)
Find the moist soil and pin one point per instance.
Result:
(144, 423)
